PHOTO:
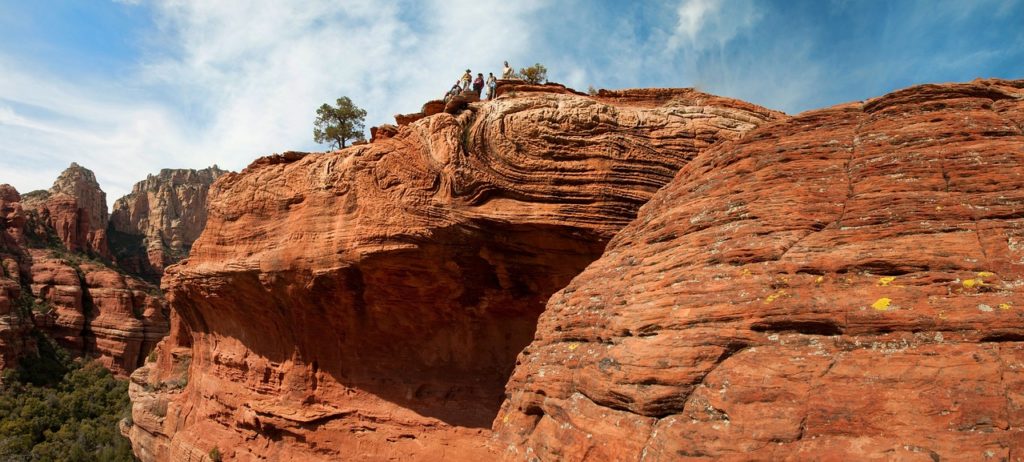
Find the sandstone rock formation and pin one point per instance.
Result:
(13, 323)
(157, 223)
(368, 304)
(844, 285)
(54, 275)
(76, 209)
(92, 309)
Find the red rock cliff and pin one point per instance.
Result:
(76, 209)
(156, 224)
(14, 322)
(369, 304)
(83, 303)
(844, 285)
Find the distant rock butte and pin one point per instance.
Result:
(76, 209)
(53, 250)
(156, 224)
(369, 304)
(844, 285)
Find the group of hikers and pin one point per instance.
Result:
(468, 83)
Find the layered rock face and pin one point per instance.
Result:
(156, 224)
(76, 209)
(92, 309)
(55, 277)
(13, 323)
(844, 285)
(369, 304)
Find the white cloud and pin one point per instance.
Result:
(229, 81)
(703, 24)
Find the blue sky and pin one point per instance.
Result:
(128, 87)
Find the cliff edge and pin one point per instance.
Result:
(370, 303)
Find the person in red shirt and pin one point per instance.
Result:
(478, 84)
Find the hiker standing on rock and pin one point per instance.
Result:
(478, 84)
(466, 79)
(507, 72)
(492, 84)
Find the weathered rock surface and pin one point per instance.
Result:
(92, 309)
(57, 284)
(76, 209)
(155, 225)
(52, 279)
(123, 309)
(368, 304)
(844, 285)
(13, 324)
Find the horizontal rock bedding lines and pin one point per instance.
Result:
(843, 284)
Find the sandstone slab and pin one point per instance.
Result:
(842, 285)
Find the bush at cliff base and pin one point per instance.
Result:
(53, 408)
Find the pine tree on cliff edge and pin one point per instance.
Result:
(336, 125)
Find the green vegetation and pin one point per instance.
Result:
(56, 409)
(336, 125)
(535, 74)
(215, 454)
(37, 235)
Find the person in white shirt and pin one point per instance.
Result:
(507, 72)
(492, 84)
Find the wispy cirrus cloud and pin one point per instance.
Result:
(704, 24)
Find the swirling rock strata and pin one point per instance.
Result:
(846, 284)
(369, 303)
(155, 225)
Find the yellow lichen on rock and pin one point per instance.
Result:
(775, 296)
